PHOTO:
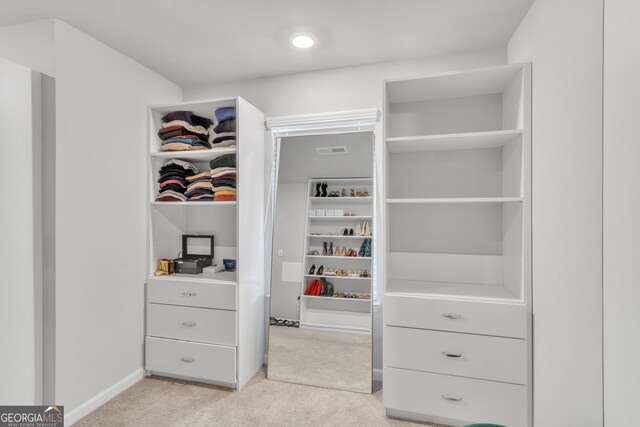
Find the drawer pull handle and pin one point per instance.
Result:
(189, 294)
(454, 355)
(451, 398)
(451, 316)
(188, 359)
(189, 324)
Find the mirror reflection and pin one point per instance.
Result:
(320, 324)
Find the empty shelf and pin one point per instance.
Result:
(454, 141)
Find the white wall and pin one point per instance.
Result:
(101, 100)
(621, 212)
(341, 89)
(563, 38)
(288, 235)
(20, 228)
(30, 44)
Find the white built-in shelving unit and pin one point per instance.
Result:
(330, 313)
(208, 327)
(458, 285)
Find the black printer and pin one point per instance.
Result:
(197, 253)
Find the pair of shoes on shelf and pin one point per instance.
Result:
(312, 270)
(349, 214)
(313, 253)
(365, 273)
(314, 288)
(346, 232)
(321, 189)
(334, 194)
(327, 250)
(365, 248)
(364, 229)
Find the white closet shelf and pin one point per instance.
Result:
(339, 257)
(329, 236)
(454, 200)
(330, 326)
(339, 218)
(336, 277)
(336, 299)
(345, 200)
(212, 203)
(349, 180)
(470, 291)
(453, 141)
(223, 277)
(194, 156)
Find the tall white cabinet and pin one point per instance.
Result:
(457, 305)
(208, 327)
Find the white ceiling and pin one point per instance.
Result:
(196, 42)
(299, 160)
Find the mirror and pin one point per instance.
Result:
(320, 327)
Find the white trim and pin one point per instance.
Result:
(103, 397)
(342, 121)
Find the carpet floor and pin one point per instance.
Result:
(338, 360)
(156, 401)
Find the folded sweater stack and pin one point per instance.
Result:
(174, 180)
(183, 130)
(223, 177)
(224, 134)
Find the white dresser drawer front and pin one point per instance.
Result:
(193, 294)
(192, 324)
(462, 399)
(475, 317)
(195, 360)
(466, 355)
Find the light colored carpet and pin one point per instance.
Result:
(156, 401)
(339, 360)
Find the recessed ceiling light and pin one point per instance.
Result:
(303, 40)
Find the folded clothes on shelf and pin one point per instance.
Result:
(224, 180)
(184, 131)
(173, 181)
(224, 134)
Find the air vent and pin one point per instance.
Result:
(331, 150)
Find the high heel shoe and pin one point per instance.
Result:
(366, 229)
(320, 270)
(325, 251)
(318, 189)
(352, 193)
(365, 193)
(312, 270)
(343, 193)
(351, 232)
(358, 229)
(324, 189)
(330, 251)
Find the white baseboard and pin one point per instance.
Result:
(101, 398)
(377, 374)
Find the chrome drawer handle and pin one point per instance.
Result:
(189, 294)
(451, 398)
(451, 316)
(189, 324)
(452, 354)
(188, 359)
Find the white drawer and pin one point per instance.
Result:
(193, 294)
(189, 359)
(462, 399)
(466, 355)
(475, 317)
(192, 324)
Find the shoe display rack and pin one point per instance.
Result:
(337, 281)
(457, 302)
(208, 327)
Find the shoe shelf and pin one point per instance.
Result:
(454, 200)
(314, 276)
(340, 218)
(345, 200)
(330, 236)
(452, 141)
(329, 312)
(339, 257)
(337, 299)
